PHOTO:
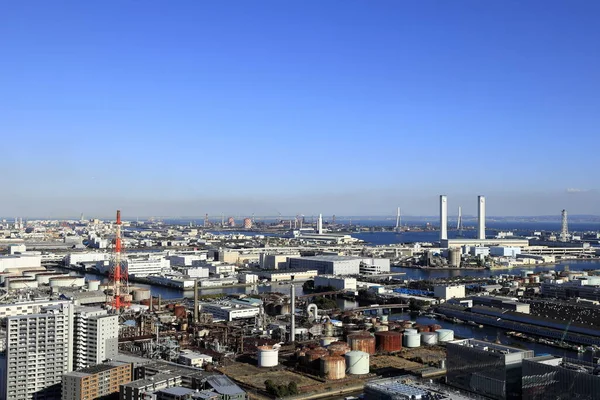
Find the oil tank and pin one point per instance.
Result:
(67, 281)
(179, 311)
(21, 283)
(381, 328)
(445, 335)
(313, 356)
(384, 319)
(93, 284)
(410, 330)
(388, 342)
(338, 348)
(333, 367)
(454, 257)
(43, 278)
(140, 294)
(368, 325)
(429, 338)
(422, 328)
(412, 340)
(357, 363)
(434, 327)
(327, 340)
(407, 324)
(268, 356)
(362, 342)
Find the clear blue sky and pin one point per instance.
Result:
(333, 106)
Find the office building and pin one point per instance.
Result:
(139, 267)
(96, 382)
(374, 266)
(96, 336)
(443, 217)
(337, 283)
(37, 351)
(228, 311)
(288, 275)
(192, 359)
(275, 261)
(550, 377)
(481, 217)
(485, 368)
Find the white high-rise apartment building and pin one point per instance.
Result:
(36, 349)
(96, 336)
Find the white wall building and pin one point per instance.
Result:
(374, 266)
(505, 251)
(330, 265)
(19, 261)
(336, 282)
(186, 260)
(192, 359)
(195, 272)
(221, 269)
(87, 257)
(248, 278)
(447, 292)
(139, 267)
(289, 275)
(228, 311)
(96, 336)
(275, 261)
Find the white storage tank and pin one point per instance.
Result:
(445, 335)
(429, 338)
(384, 319)
(140, 294)
(21, 283)
(357, 362)
(268, 356)
(327, 340)
(408, 331)
(412, 340)
(67, 281)
(43, 278)
(381, 328)
(93, 284)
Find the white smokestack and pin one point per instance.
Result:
(443, 217)
(481, 217)
(320, 224)
(293, 312)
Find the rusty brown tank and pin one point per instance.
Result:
(333, 367)
(313, 356)
(388, 342)
(362, 342)
(338, 348)
(180, 311)
(422, 328)
(434, 327)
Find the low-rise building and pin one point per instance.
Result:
(327, 265)
(228, 311)
(193, 359)
(288, 275)
(447, 292)
(338, 283)
(95, 382)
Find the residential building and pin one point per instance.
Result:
(37, 349)
(96, 336)
(95, 382)
(485, 368)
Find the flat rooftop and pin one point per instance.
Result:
(487, 346)
(328, 258)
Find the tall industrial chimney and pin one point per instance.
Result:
(293, 313)
(443, 217)
(196, 301)
(481, 217)
(320, 224)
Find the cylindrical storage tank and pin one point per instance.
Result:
(327, 340)
(31, 273)
(333, 367)
(93, 284)
(429, 338)
(43, 278)
(384, 319)
(338, 348)
(268, 356)
(313, 356)
(423, 328)
(381, 328)
(525, 273)
(357, 363)
(445, 335)
(407, 324)
(67, 281)
(388, 342)
(412, 340)
(410, 330)
(362, 342)
(140, 294)
(434, 327)
(368, 325)
(21, 283)
(454, 257)
(4, 277)
(179, 311)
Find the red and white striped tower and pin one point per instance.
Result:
(118, 279)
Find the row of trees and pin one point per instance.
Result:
(282, 390)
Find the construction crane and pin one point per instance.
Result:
(564, 335)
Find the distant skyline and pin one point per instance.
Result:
(298, 107)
